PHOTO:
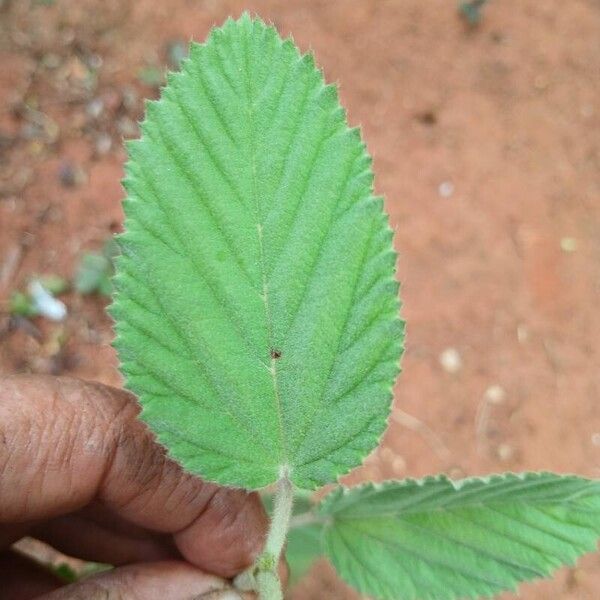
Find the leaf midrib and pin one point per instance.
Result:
(262, 262)
(177, 330)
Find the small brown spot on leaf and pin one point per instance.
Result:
(275, 353)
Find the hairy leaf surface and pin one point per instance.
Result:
(256, 307)
(442, 540)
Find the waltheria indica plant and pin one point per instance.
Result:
(257, 321)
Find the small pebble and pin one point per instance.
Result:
(51, 61)
(45, 303)
(451, 360)
(103, 143)
(495, 394)
(446, 189)
(399, 464)
(95, 108)
(94, 61)
(568, 244)
(129, 98)
(71, 175)
(505, 452)
(127, 127)
(456, 473)
(522, 333)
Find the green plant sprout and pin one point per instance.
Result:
(471, 11)
(94, 273)
(40, 298)
(256, 317)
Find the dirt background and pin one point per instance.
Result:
(486, 144)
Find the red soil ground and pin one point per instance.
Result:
(501, 263)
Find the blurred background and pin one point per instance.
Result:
(484, 124)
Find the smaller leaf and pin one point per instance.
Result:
(471, 11)
(65, 572)
(96, 270)
(93, 274)
(22, 305)
(303, 548)
(439, 539)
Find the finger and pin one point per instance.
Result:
(12, 533)
(95, 535)
(150, 581)
(87, 539)
(64, 443)
(22, 579)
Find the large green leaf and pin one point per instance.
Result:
(438, 539)
(256, 307)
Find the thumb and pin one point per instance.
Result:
(174, 580)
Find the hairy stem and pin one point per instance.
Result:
(263, 576)
(282, 512)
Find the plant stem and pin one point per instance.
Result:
(263, 576)
(282, 511)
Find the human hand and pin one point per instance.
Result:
(79, 471)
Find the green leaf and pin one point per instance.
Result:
(471, 11)
(96, 270)
(303, 547)
(439, 539)
(64, 572)
(256, 311)
(93, 274)
(22, 305)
